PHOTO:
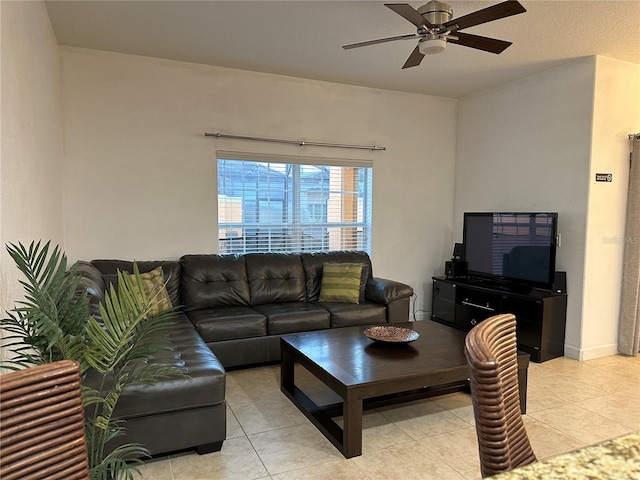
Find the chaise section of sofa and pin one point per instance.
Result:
(177, 413)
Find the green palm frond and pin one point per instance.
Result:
(91, 396)
(53, 322)
(108, 406)
(155, 334)
(144, 373)
(121, 313)
(127, 332)
(120, 464)
(49, 318)
(16, 341)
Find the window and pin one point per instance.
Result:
(292, 204)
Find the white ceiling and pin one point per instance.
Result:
(304, 38)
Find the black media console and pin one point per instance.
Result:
(540, 314)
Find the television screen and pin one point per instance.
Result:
(520, 247)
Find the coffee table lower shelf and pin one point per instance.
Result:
(322, 415)
(361, 392)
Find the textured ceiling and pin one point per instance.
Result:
(304, 38)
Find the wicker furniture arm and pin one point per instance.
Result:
(42, 424)
(491, 350)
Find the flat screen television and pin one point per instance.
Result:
(516, 249)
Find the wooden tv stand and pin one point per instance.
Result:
(540, 314)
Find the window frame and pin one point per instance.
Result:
(297, 243)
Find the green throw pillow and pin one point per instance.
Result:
(154, 289)
(341, 282)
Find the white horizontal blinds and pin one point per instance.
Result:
(277, 206)
(513, 230)
(293, 159)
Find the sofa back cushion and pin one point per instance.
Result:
(212, 281)
(275, 278)
(313, 263)
(170, 271)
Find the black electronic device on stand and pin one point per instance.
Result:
(456, 267)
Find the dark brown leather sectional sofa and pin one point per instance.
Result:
(232, 311)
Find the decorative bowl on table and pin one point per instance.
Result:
(391, 334)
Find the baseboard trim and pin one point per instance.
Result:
(599, 351)
(590, 353)
(571, 352)
(422, 315)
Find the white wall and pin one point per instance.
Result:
(141, 176)
(31, 151)
(526, 147)
(536, 144)
(616, 115)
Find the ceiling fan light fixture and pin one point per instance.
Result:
(432, 46)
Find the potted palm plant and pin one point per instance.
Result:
(53, 323)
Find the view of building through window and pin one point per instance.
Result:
(292, 207)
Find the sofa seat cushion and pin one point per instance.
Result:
(294, 317)
(351, 314)
(216, 324)
(205, 387)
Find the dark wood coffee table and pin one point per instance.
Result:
(367, 374)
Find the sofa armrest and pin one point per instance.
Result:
(92, 282)
(384, 291)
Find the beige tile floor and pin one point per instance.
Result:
(570, 404)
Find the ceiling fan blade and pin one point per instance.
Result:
(414, 59)
(495, 12)
(481, 43)
(408, 13)
(380, 40)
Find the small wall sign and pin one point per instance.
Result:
(604, 177)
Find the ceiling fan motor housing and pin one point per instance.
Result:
(436, 12)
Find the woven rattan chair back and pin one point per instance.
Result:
(492, 354)
(42, 424)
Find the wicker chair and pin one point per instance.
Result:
(491, 350)
(42, 424)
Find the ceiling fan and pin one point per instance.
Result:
(436, 29)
